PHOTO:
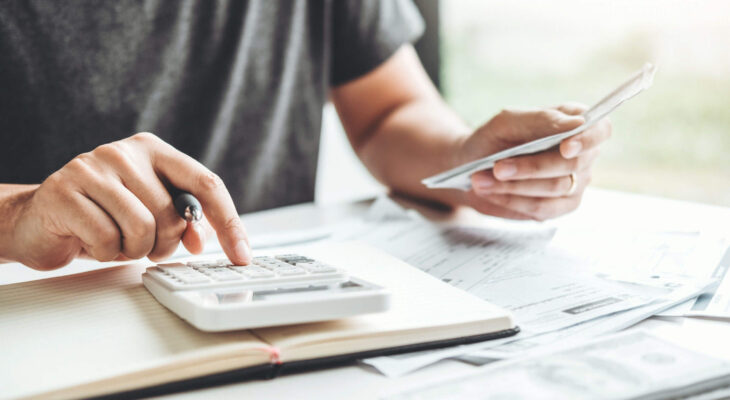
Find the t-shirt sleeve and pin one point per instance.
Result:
(367, 32)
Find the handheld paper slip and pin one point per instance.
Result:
(459, 177)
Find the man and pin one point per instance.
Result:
(234, 92)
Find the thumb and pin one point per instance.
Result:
(194, 237)
(531, 125)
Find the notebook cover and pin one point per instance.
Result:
(270, 371)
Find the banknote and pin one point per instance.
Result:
(628, 365)
(459, 177)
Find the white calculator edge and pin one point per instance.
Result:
(236, 301)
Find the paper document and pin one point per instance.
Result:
(459, 177)
(717, 303)
(607, 324)
(629, 365)
(632, 254)
(525, 341)
(506, 268)
(527, 269)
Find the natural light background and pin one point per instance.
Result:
(673, 140)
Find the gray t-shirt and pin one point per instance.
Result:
(238, 85)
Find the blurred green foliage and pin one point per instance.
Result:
(672, 140)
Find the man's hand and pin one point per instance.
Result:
(536, 186)
(405, 132)
(112, 204)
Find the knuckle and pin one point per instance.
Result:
(503, 200)
(50, 261)
(550, 114)
(56, 182)
(147, 137)
(559, 185)
(114, 152)
(505, 114)
(105, 255)
(210, 182)
(536, 209)
(108, 238)
(143, 227)
(529, 166)
(232, 224)
(543, 211)
(80, 170)
(80, 164)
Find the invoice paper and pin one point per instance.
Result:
(506, 268)
(476, 259)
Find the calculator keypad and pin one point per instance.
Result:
(215, 273)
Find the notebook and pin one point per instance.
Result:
(101, 332)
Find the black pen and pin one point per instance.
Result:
(187, 206)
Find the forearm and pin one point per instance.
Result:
(418, 139)
(11, 198)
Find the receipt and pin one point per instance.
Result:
(459, 177)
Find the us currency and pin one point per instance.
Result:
(629, 365)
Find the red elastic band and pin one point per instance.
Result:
(274, 354)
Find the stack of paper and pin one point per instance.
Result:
(554, 292)
(630, 365)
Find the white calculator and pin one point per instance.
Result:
(285, 289)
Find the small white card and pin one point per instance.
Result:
(460, 177)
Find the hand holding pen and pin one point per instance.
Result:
(112, 204)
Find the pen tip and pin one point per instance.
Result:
(193, 214)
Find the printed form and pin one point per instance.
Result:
(506, 268)
(553, 291)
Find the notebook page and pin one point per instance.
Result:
(80, 329)
(423, 309)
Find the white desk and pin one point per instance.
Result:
(600, 209)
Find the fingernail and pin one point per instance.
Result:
(243, 252)
(505, 169)
(573, 148)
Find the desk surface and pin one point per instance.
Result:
(600, 210)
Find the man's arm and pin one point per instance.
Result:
(403, 131)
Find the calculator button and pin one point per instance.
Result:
(316, 267)
(192, 278)
(293, 258)
(173, 269)
(273, 266)
(263, 260)
(203, 264)
(254, 272)
(225, 275)
(290, 271)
